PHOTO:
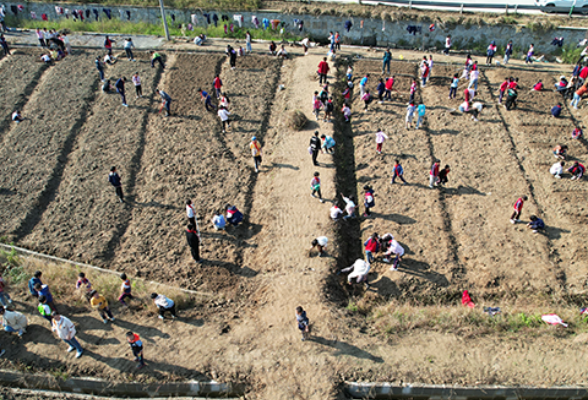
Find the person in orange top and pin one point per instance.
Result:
(256, 152)
(578, 96)
(137, 348)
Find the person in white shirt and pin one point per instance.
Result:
(282, 52)
(137, 82)
(224, 101)
(305, 45)
(447, 45)
(223, 114)
(128, 46)
(16, 117)
(218, 221)
(164, 304)
(110, 60)
(66, 331)
(557, 169)
(349, 206)
(320, 243)
(190, 212)
(13, 321)
(430, 67)
(46, 58)
(392, 248)
(336, 212)
(359, 271)
(474, 75)
(346, 111)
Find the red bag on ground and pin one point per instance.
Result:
(466, 300)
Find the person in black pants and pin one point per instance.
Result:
(120, 89)
(194, 242)
(114, 180)
(315, 146)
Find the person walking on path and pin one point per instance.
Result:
(421, 110)
(518, 208)
(164, 304)
(66, 331)
(156, 57)
(380, 139)
(33, 281)
(303, 323)
(425, 70)
(359, 271)
(255, 148)
(508, 52)
(369, 201)
(190, 213)
(137, 82)
(4, 45)
(315, 147)
(125, 289)
(232, 56)
(323, 70)
(218, 84)
(386, 61)
(224, 114)
(320, 243)
(120, 89)
(108, 45)
(193, 239)
(13, 321)
(115, 181)
(434, 174)
(443, 175)
(315, 187)
(129, 49)
(398, 172)
(100, 68)
(137, 348)
(100, 304)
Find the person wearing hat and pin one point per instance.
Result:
(164, 304)
(256, 152)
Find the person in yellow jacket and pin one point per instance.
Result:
(256, 152)
(99, 303)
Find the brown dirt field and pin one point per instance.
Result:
(15, 93)
(36, 149)
(85, 219)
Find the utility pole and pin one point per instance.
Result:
(164, 20)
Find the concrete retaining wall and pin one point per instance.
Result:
(374, 32)
(104, 388)
(425, 392)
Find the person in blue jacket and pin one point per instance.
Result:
(386, 61)
(536, 224)
(234, 216)
(33, 281)
(556, 111)
(115, 181)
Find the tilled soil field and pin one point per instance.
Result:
(85, 220)
(561, 202)
(35, 151)
(15, 92)
(193, 159)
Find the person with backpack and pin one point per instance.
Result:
(234, 216)
(368, 200)
(315, 146)
(255, 148)
(317, 105)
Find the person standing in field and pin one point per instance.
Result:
(410, 114)
(129, 49)
(518, 208)
(453, 87)
(137, 348)
(323, 70)
(362, 85)
(447, 45)
(190, 213)
(193, 240)
(100, 303)
(255, 152)
(33, 282)
(503, 87)
(166, 102)
(303, 323)
(315, 187)
(315, 147)
(248, 41)
(108, 45)
(125, 289)
(120, 89)
(137, 82)
(530, 53)
(223, 114)
(398, 172)
(218, 84)
(386, 61)
(100, 68)
(66, 331)
(380, 139)
(5, 299)
(67, 43)
(508, 52)
(115, 181)
(421, 114)
(434, 174)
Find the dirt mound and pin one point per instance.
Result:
(296, 120)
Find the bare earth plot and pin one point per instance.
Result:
(561, 202)
(35, 151)
(85, 220)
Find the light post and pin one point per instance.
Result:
(164, 19)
